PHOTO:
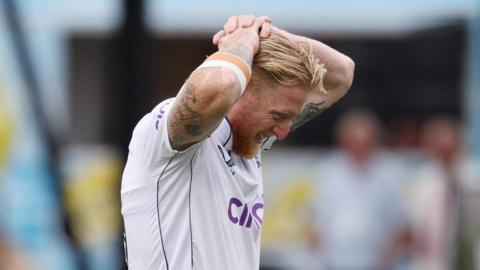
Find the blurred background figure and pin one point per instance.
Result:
(360, 220)
(442, 189)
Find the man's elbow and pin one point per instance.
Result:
(349, 72)
(216, 87)
(343, 80)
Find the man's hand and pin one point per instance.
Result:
(261, 25)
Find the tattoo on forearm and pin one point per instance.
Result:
(241, 51)
(309, 111)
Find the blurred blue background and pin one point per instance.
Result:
(389, 178)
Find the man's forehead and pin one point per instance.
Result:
(290, 92)
(293, 97)
(285, 99)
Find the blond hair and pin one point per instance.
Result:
(288, 63)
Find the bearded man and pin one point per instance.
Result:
(192, 192)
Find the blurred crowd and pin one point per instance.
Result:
(377, 211)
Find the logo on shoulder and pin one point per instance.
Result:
(160, 113)
(227, 158)
(241, 214)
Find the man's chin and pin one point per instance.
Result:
(246, 151)
(244, 143)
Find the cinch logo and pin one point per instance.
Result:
(239, 213)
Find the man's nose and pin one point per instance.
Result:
(281, 130)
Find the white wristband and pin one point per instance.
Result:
(236, 70)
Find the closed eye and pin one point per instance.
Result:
(280, 116)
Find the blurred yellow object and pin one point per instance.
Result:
(5, 131)
(287, 217)
(92, 199)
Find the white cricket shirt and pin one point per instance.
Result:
(199, 209)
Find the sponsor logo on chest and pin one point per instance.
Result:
(244, 215)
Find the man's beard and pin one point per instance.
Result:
(244, 143)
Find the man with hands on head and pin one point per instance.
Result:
(192, 192)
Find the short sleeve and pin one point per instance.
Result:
(150, 144)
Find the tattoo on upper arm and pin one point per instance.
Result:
(185, 122)
(188, 100)
(193, 130)
(309, 111)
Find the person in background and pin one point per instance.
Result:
(359, 217)
(438, 189)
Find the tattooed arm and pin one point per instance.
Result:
(337, 80)
(209, 93)
(200, 106)
(309, 111)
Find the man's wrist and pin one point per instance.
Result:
(241, 50)
(232, 62)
